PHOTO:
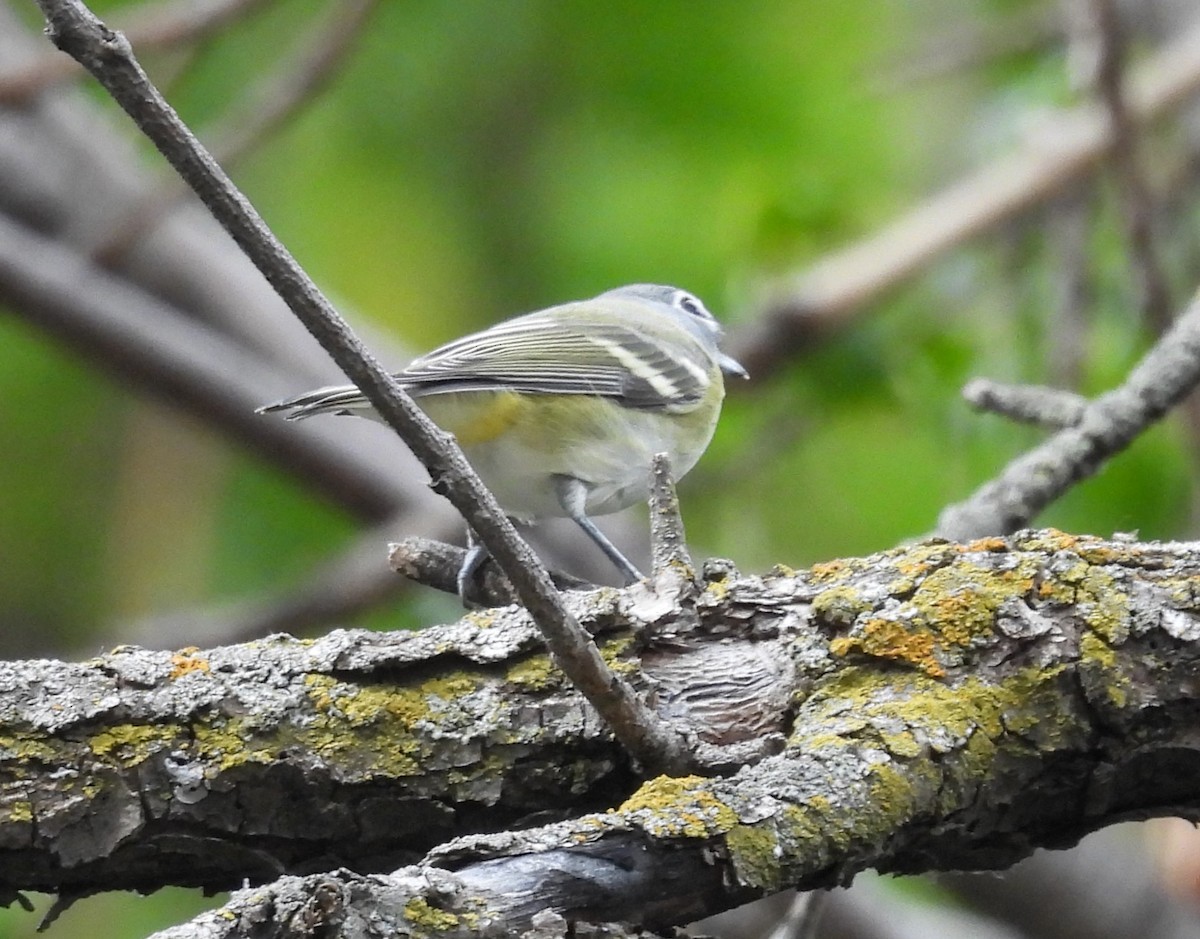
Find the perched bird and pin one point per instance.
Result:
(561, 411)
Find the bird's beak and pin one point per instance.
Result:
(731, 366)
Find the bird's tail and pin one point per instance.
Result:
(336, 399)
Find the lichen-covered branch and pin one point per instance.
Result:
(942, 706)
(955, 706)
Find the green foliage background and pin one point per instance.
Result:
(476, 160)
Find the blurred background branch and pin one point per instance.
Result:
(828, 294)
(154, 25)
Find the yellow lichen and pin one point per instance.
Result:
(1093, 648)
(616, 654)
(1049, 541)
(186, 661)
(828, 570)
(839, 606)
(481, 619)
(919, 560)
(864, 704)
(1096, 652)
(1103, 605)
(20, 811)
(20, 749)
(991, 544)
(226, 744)
(380, 729)
(959, 602)
(679, 807)
(534, 672)
(754, 853)
(888, 639)
(418, 912)
(131, 744)
(717, 590)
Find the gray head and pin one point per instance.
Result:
(690, 311)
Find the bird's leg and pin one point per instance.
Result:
(476, 555)
(572, 496)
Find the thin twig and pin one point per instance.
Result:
(668, 543)
(256, 116)
(822, 299)
(436, 564)
(108, 56)
(1109, 424)
(1030, 404)
(155, 25)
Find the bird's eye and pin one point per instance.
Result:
(689, 304)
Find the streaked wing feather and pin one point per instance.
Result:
(563, 350)
(547, 354)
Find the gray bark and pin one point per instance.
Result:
(939, 707)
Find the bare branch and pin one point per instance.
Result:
(107, 55)
(1030, 404)
(436, 564)
(1109, 423)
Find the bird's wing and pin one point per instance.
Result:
(565, 351)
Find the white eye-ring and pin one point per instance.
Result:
(689, 304)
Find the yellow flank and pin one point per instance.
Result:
(477, 416)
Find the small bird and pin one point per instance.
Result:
(561, 411)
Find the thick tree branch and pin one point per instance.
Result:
(108, 56)
(944, 706)
(961, 705)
